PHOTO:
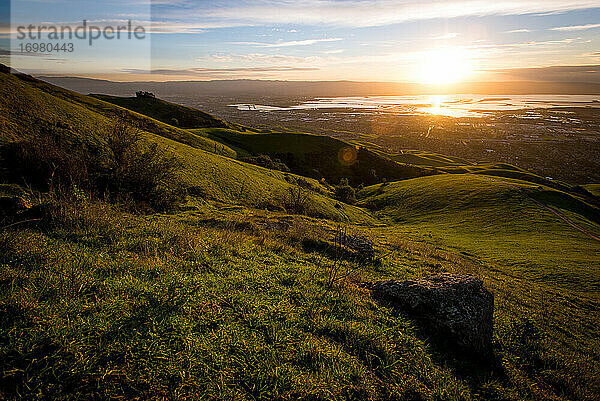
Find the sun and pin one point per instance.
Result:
(444, 66)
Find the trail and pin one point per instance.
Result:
(549, 208)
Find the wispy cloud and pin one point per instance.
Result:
(288, 44)
(519, 31)
(379, 12)
(217, 71)
(576, 27)
(450, 35)
(263, 59)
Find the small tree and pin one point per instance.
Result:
(344, 192)
(140, 171)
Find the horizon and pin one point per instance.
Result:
(431, 43)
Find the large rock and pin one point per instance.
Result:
(455, 305)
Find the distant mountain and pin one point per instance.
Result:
(315, 88)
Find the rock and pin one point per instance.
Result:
(359, 244)
(277, 225)
(455, 305)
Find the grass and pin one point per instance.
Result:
(318, 156)
(113, 305)
(423, 158)
(212, 302)
(593, 188)
(105, 304)
(539, 265)
(27, 104)
(169, 113)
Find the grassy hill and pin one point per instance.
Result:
(541, 248)
(594, 189)
(169, 113)
(503, 219)
(319, 156)
(422, 158)
(238, 292)
(27, 104)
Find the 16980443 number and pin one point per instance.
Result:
(46, 47)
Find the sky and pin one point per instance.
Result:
(427, 41)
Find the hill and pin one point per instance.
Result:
(239, 290)
(27, 105)
(169, 113)
(309, 155)
(320, 156)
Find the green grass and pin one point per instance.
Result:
(594, 189)
(539, 265)
(105, 304)
(316, 155)
(25, 105)
(124, 306)
(501, 220)
(207, 303)
(186, 117)
(423, 158)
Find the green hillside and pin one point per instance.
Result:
(169, 113)
(594, 189)
(237, 290)
(501, 219)
(422, 158)
(27, 104)
(319, 156)
(539, 247)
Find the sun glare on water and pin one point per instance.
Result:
(444, 66)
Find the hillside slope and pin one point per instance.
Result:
(27, 105)
(167, 112)
(320, 156)
(508, 221)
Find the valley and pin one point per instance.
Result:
(168, 248)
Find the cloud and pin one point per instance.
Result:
(576, 73)
(450, 35)
(263, 59)
(519, 31)
(576, 27)
(287, 44)
(379, 12)
(528, 44)
(217, 71)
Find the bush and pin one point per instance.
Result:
(345, 193)
(141, 172)
(48, 161)
(266, 162)
(124, 169)
(297, 200)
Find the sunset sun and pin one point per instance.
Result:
(444, 66)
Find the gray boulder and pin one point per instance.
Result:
(359, 244)
(457, 306)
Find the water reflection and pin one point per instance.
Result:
(440, 105)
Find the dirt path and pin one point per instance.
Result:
(549, 208)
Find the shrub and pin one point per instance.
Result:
(266, 162)
(125, 169)
(297, 200)
(47, 161)
(345, 193)
(141, 172)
